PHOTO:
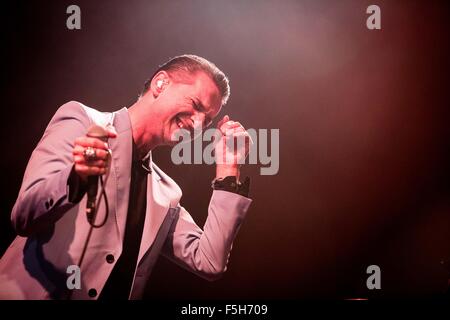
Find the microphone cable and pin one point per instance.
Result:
(91, 221)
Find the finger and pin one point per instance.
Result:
(227, 126)
(221, 122)
(96, 163)
(243, 135)
(240, 135)
(100, 153)
(112, 133)
(234, 129)
(77, 149)
(231, 124)
(91, 142)
(88, 170)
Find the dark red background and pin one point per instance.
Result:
(363, 118)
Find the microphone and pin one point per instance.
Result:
(95, 131)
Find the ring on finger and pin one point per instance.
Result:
(90, 154)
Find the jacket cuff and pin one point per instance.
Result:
(231, 184)
(76, 188)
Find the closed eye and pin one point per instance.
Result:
(198, 106)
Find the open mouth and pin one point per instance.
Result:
(179, 123)
(183, 124)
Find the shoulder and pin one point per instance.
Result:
(79, 111)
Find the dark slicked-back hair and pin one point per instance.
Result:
(189, 64)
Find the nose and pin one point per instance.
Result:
(198, 119)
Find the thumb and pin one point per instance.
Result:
(112, 133)
(221, 122)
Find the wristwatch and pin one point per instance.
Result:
(231, 184)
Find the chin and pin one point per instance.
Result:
(179, 134)
(171, 143)
(168, 141)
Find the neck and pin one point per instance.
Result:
(144, 139)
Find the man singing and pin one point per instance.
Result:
(138, 214)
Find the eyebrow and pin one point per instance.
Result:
(200, 106)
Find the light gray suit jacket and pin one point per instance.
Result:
(52, 231)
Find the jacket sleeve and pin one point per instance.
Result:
(43, 196)
(206, 252)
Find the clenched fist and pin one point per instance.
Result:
(98, 163)
(232, 148)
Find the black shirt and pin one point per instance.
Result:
(118, 285)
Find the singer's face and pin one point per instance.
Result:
(189, 105)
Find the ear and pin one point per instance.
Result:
(159, 83)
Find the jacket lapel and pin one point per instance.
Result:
(121, 148)
(157, 207)
(158, 202)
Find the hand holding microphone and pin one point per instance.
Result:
(91, 156)
(91, 152)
